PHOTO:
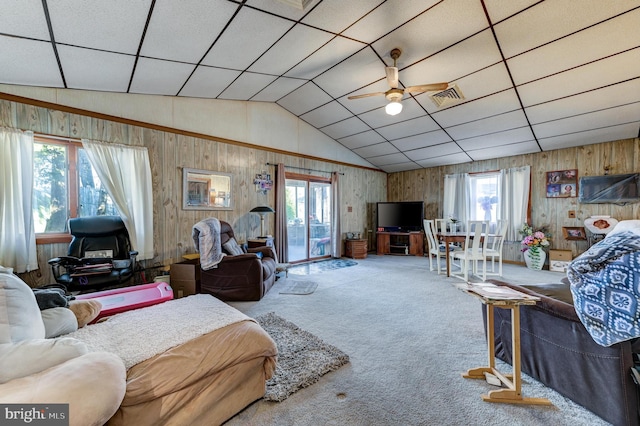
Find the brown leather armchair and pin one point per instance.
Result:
(243, 277)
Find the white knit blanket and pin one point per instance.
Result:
(140, 334)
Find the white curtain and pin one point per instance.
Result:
(125, 172)
(17, 231)
(455, 203)
(515, 187)
(336, 234)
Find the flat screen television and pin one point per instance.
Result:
(614, 189)
(404, 216)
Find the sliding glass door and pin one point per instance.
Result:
(308, 218)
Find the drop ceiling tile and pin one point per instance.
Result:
(324, 58)
(157, 77)
(445, 160)
(400, 167)
(247, 85)
(548, 21)
(208, 82)
(32, 63)
(281, 8)
(469, 56)
(225, 52)
(410, 127)
(379, 118)
(358, 106)
(497, 123)
(292, 48)
(326, 114)
(168, 37)
(436, 137)
(433, 151)
(358, 70)
(607, 134)
(385, 18)
(506, 137)
(388, 159)
(501, 9)
(304, 99)
(345, 128)
(602, 40)
(589, 121)
(115, 25)
(361, 139)
(607, 97)
(588, 77)
(521, 148)
(499, 103)
(474, 86)
(95, 70)
(24, 18)
(384, 148)
(336, 15)
(442, 26)
(279, 88)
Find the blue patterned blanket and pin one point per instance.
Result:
(605, 283)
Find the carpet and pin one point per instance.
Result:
(298, 287)
(302, 357)
(324, 265)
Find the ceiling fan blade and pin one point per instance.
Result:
(426, 88)
(366, 95)
(392, 76)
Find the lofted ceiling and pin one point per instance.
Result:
(535, 75)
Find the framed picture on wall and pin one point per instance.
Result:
(562, 183)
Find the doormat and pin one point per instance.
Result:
(302, 357)
(325, 265)
(298, 287)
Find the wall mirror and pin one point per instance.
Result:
(206, 190)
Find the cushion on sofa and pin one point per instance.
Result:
(33, 356)
(19, 313)
(232, 247)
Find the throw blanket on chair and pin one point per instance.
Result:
(605, 283)
(206, 237)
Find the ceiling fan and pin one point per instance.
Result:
(394, 94)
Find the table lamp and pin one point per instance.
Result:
(262, 210)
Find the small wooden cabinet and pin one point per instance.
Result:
(356, 249)
(401, 243)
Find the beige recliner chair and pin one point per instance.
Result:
(36, 370)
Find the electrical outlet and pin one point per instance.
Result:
(572, 214)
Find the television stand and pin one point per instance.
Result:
(400, 243)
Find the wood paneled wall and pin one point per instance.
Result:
(621, 156)
(169, 153)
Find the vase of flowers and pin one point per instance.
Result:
(533, 245)
(454, 223)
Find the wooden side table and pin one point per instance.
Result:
(356, 249)
(504, 298)
(260, 242)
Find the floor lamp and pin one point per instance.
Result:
(262, 210)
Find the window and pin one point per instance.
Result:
(484, 200)
(65, 186)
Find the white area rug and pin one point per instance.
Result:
(298, 287)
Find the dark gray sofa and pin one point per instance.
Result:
(558, 351)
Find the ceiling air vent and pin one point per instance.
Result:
(451, 95)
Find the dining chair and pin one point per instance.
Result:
(494, 247)
(440, 225)
(474, 251)
(434, 246)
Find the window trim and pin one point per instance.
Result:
(72, 183)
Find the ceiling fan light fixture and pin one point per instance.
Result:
(393, 108)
